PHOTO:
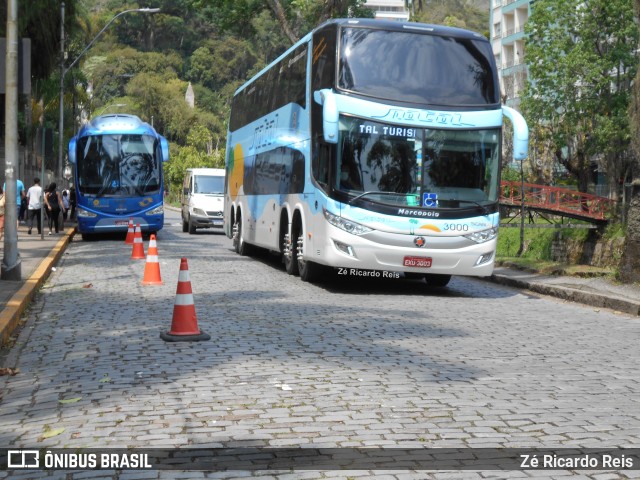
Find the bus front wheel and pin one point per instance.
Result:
(290, 255)
(309, 271)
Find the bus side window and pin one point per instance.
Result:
(297, 173)
(320, 164)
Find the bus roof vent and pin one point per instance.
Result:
(116, 122)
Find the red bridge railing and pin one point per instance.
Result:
(555, 199)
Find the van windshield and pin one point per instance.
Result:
(208, 184)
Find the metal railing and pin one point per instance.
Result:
(556, 199)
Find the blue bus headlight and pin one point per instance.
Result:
(346, 225)
(483, 236)
(159, 210)
(81, 212)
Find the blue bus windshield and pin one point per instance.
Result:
(118, 165)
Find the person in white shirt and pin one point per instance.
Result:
(34, 197)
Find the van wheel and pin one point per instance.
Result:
(191, 226)
(185, 226)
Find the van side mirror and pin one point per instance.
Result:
(185, 190)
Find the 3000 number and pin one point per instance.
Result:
(456, 227)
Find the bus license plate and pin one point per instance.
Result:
(122, 222)
(418, 262)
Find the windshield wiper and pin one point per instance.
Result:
(482, 207)
(374, 192)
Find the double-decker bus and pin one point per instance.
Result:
(374, 148)
(118, 175)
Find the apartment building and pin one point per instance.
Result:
(389, 9)
(507, 20)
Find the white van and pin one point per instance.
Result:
(202, 199)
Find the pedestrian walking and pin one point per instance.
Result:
(53, 202)
(20, 198)
(2, 201)
(34, 199)
(65, 206)
(72, 202)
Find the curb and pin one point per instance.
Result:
(10, 315)
(587, 298)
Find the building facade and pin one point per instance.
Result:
(389, 9)
(507, 19)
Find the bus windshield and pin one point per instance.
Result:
(417, 166)
(118, 165)
(418, 68)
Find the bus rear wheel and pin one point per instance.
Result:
(241, 247)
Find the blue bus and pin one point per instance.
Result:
(373, 148)
(118, 174)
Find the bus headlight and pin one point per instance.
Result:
(81, 212)
(346, 225)
(483, 236)
(159, 210)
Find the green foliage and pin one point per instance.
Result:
(196, 154)
(220, 62)
(537, 242)
(613, 231)
(581, 59)
(510, 174)
(452, 13)
(39, 20)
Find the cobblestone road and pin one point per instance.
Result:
(350, 363)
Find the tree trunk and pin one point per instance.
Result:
(282, 20)
(630, 264)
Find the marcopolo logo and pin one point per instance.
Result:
(23, 459)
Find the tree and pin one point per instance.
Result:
(581, 58)
(295, 17)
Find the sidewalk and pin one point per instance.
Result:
(40, 255)
(37, 257)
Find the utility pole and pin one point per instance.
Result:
(62, 72)
(11, 264)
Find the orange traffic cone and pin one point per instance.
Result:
(130, 233)
(184, 326)
(152, 267)
(138, 248)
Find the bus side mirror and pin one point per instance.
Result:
(164, 147)
(520, 133)
(327, 99)
(72, 150)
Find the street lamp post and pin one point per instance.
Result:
(64, 71)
